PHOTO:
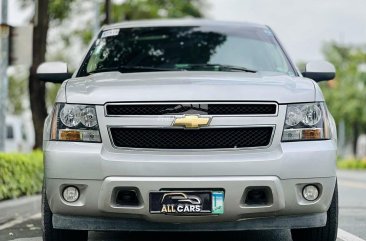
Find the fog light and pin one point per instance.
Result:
(71, 194)
(310, 192)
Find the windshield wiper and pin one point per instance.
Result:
(177, 67)
(218, 67)
(128, 69)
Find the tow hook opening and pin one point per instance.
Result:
(127, 197)
(258, 196)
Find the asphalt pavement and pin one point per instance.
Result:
(352, 222)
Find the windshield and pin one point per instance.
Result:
(202, 48)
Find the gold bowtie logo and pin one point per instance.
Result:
(191, 121)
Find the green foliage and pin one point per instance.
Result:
(85, 35)
(148, 9)
(57, 9)
(18, 89)
(20, 174)
(352, 164)
(345, 95)
(18, 93)
(51, 94)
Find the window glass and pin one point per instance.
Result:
(9, 132)
(186, 48)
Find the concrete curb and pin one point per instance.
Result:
(19, 208)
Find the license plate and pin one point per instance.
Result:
(187, 202)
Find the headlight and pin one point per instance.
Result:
(75, 123)
(307, 121)
(89, 117)
(294, 116)
(70, 115)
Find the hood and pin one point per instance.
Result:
(188, 86)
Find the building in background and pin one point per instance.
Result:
(19, 134)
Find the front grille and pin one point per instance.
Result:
(204, 138)
(200, 108)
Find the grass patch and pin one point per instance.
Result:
(352, 164)
(20, 174)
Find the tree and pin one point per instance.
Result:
(107, 11)
(148, 9)
(37, 89)
(53, 12)
(346, 94)
(46, 11)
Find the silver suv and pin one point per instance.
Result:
(189, 125)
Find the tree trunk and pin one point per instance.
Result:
(37, 89)
(108, 8)
(356, 134)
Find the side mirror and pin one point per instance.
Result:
(55, 72)
(319, 71)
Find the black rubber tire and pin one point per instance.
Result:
(326, 233)
(52, 234)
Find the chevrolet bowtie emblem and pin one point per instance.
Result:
(191, 121)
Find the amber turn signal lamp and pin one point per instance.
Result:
(312, 134)
(69, 135)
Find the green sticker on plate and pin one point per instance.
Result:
(217, 202)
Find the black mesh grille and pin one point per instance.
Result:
(205, 138)
(248, 109)
(209, 109)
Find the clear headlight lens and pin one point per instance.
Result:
(89, 117)
(307, 121)
(70, 115)
(75, 123)
(312, 115)
(294, 116)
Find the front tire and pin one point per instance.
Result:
(52, 234)
(326, 233)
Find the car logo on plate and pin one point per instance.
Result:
(182, 198)
(192, 121)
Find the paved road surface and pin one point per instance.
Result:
(352, 223)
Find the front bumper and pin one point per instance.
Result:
(285, 169)
(96, 199)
